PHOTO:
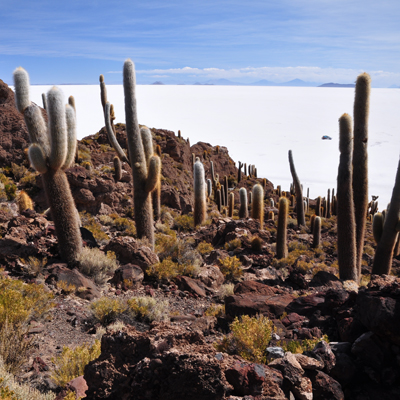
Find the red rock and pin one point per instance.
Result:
(325, 387)
(211, 276)
(79, 386)
(129, 276)
(189, 284)
(254, 287)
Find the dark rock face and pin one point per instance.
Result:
(13, 133)
(172, 363)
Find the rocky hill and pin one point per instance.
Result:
(211, 313)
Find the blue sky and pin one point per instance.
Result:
(188, 41)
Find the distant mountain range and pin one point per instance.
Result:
(349, 85)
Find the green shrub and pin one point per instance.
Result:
(148, 308)
(71, 362)
(96, 264)
(233, 244)
(300, 346)
(168, 269)
(204, 248)
(215, 310)
(249, 338)
(184, 223)
(231, 268)
(10, 190)
(106, 309)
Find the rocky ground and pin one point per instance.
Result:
(176, 358)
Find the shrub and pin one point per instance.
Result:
(231, 268)
(10, 190)
(66, 288)
(71, 362)
(106, 309)
(168, 269)
(215, 310)
(300, 346)
(10, 389)
(125, 225)
(148, 308)
(34, 265)
(89, 222)
(204, 248)
(18, 171)
(233, 244)
(249, 338)
(226, 290)
(96, 264)
(184, 223)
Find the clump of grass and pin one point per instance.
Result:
(148, 308)
(300, 346)
(66, 288)
(10, 389)
(231, 268)
(71, 362)
(215, 310)
(97, 265)
(226, 290)
(249, 338)
(34, 265)
(107, 310)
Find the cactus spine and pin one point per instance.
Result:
(199, 211)
(145, 173)
(257, 210)
(346, 235)
(52, 151)
(231, 203)
(384, 251)
(316, 232)
(244, 209)
(281, 241)
(360, 160)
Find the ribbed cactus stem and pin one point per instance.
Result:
(37, 158)
(110, 133)
(317, 232)
(360, 160)
(209, 188)
(212, 171)
(223, 196)
(200, 207)
(57, 128)
(257, 210)
(272, 202)
(377, 227)
(384, 251)
(117, 169)
(37, 128)
(346, 235)
(281, 233)
(244, 208)
(301, 221)
(21, 86)
(271, 215)
(231, 203)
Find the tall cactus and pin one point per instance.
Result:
(51, 152)
(384, 251)
(346, 235)
(281, 232)
(231, 203)
(316, 232)
(360, 160)
(199, 211)
(244, 209)
(145, 173)
(240, 171)
(257, 210)
(377, 227)
(301, 221)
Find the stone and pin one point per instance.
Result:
(254, 287)
(309, 363)
(189, 284)
(274, 352)
(128, 276)
(79, 386)
(211, 276)
(306, 305)
(325, 387)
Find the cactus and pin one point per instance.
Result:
(312, 219)
(231, 203)
(279, 191)
(318, 207)
(193, 159)
(209, 188)
(316, 232)
(117, 169)
(145, 168)
(219, 200)
(199, 211)
(272, 202)
(71, 102)
(360, 160)
(245, 169)
(328, 204)
(44, 100)
(384, 251)
(346, 235)
(226, 189)
(271, 215)
(158, 150)
(377, 227)
(281, 234)
(24, 202)
(257, 210)
(52, 151)
(223, 196)
(239, 171)
(179, 134)
(250, 198)
(301, 221)
(244, 209)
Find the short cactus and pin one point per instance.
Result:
(316, 232)
(199, 210)
(219, 200)
(117, 169)
(244, 209)
(209, 188)
(281, 233)
(271, 215)
(24, 202)
(240, 172)
(257, 210)
(377, 227)
(52, 151)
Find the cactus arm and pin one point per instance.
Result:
(71, 102)
(111, 136)
(153, 174)
(384, 251)
(346, 235)
(37, 158)
(37, 127)
(57, 128)
(21, 85)
(103, 92)
(147, 141)
(71, 136)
